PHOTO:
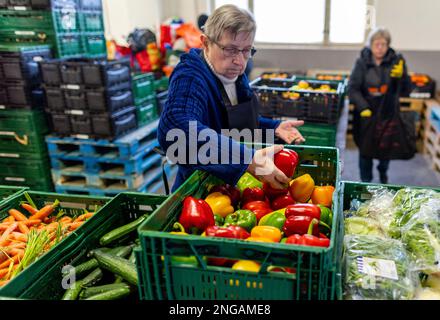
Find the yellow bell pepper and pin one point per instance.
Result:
(247, 265)
(220, 204)
(301, 188)
(267, 232)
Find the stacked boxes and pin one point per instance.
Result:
(23, 154)
(74, 28)
(145, 98)
(89, 98)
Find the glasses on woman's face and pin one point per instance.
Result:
(232, 52)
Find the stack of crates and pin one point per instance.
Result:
(73, 28)
(89, 98)
(145, 98)
(23, 154)
(107, 168)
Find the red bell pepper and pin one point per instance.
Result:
(282, 202)
(286, 160)
(232, 232)
(299, 225)
(309, 239)
(260, 208)
(252, 194)
(304, 209)
(232, 192)
(196, 215)
(273, 193)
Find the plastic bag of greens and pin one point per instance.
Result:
(376, 268)
(421, 235)
(363, 226)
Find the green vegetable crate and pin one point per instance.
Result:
(7, 192)
(30, 282)
(316, 268)
(317, 134)
(43, 280)
(350, 191)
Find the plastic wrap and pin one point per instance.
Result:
(377, 269)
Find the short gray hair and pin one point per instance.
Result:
(229, 18)
(379, 32)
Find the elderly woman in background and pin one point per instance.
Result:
(370, 80)
(209, 88)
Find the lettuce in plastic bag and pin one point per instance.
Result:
(363, 226)
(377, 268)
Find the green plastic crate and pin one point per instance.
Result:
(7, 192)
(143, 87)
(65, 20)
(27, 20)
(43, 184)
(22, 134)
(161, 84)
(317, 134)
(25, 168)
(119, 211)
(94, 45)
(147, 112)
(69, 45)
(72, 205)
(315, 267)
(350, 191)
(91, 21)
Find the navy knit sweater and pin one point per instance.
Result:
(194, 96)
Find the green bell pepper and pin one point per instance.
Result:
(326, 215)
(242, 218)
(275, 219)
(219, 220)
(248, 181)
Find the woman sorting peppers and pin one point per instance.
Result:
(209, 89)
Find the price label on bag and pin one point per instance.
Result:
(378, 267)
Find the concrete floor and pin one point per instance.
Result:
(414, 172)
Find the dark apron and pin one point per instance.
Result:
(241, 116)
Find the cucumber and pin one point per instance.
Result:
(117, 265)
(92, 291)
(93, 263)
(120, 232)
(111, 295)
(91, 279)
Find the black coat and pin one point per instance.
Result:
(369, 83)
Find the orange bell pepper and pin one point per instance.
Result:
(323, 195)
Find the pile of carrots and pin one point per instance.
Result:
(14, 232)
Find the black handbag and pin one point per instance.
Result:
(389, 134)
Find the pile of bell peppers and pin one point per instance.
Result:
(299, 214)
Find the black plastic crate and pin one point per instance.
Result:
(284, 97)
(17, 94)
(88, 99)
(100, 73)
(23, 64)
(116, 125)
(60, 123)
(38, 4)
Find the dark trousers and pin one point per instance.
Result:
(366, 168)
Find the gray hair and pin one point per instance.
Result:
(229, 18)
(379, 32)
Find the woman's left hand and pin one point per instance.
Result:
(288, 132)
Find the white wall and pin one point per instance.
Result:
(188, 10)
(414, 24)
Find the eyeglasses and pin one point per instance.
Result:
(231, 52)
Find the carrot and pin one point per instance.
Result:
(4, 226)
(29, 208)
(7, 232)
(9, 219)
(18, 216)
(32, 222)
(49, 220)
(4, 272)
(52, 227)
(17, 245)
(15, 259)
(66, 220)
(23, 228)
(84, 217)
(19, 237)
(74, 225)
(13, 251)
(46, 210)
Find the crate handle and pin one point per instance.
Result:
(159, 151)
(24, 141)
